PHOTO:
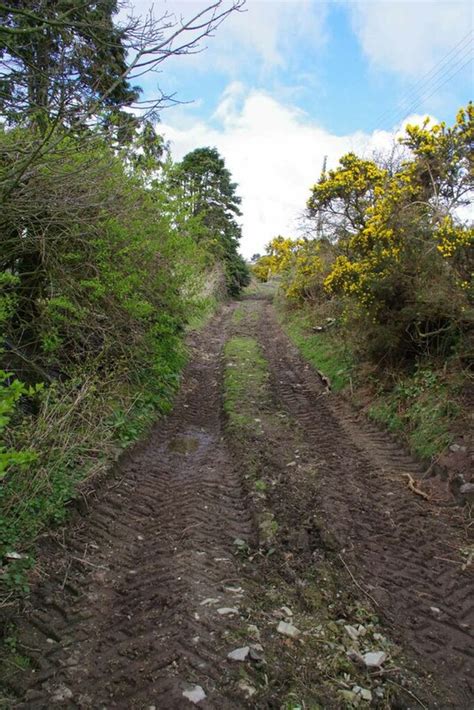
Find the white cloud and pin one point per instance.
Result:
(411, 36)
(274, 152)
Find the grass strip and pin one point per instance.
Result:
(323, 350)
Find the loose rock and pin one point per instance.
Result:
(227, 611)
(247, 689)
(61, 694)
(364, 693)
(256, 653)
(239, 654)
(210, 600)
(352, 632)
(288, 629)
(374, 659)
(194, 694)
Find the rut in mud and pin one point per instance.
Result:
(142, 598)
(404, 548)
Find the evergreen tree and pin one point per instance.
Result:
(206, 186)
(61, 59)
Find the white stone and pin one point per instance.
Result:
(364, 693)
(227, 611)
(239, 654)
(352, 632)
(288, 630)
(195, 694)
(15, 556)
(210, 600)
(374, 659)
(61, 694)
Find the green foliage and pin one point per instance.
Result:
(8, 300)
(57, 54)
(204, 185)
(422, 409)
(11, 390)
(324, 350)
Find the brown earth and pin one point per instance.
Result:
(126, 614)
(405, 548)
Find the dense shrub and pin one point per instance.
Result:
(102, 268)
(397, 254)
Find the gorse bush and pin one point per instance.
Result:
(396, 256)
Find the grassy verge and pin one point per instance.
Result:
(421, 409)
(203, 314)
(78, 431)
(324, 350)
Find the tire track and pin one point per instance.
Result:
(406, 550)
(119, 622)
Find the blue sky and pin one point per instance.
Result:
(286, 83)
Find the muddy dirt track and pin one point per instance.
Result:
(140, 596)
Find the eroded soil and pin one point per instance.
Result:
(142, 598)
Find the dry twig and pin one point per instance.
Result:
(364, 591)
(409, 692)
(413, 487)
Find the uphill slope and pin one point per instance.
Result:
(143, 597)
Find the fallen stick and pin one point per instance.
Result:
(91, 564)
(364, 591)
(389, 680)
(412, 486)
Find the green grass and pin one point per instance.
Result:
(322, 350)
(422, 409)
(204, 310)
(245, 381)
(256, 288)
(239, 314)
